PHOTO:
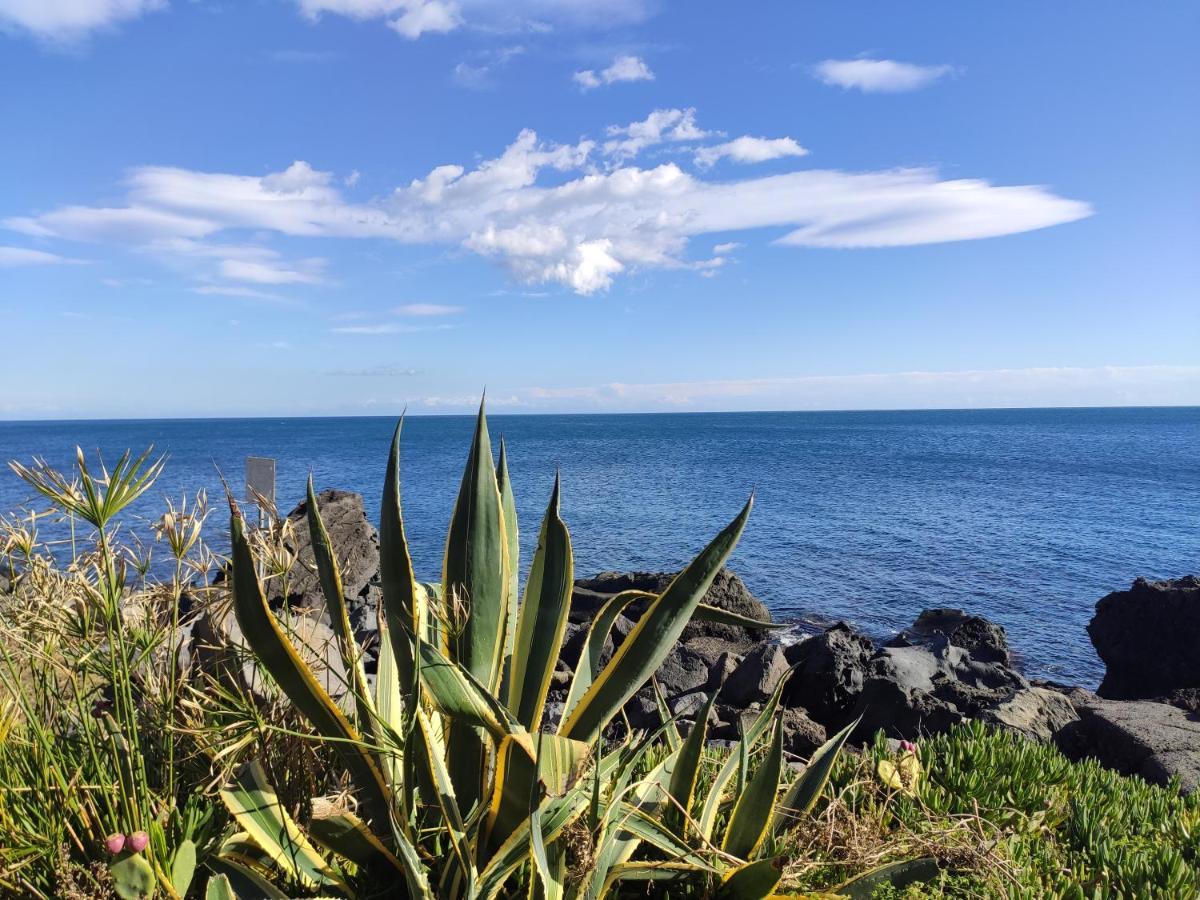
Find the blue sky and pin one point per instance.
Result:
(293, 207)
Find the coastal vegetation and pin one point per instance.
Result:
(129, 771)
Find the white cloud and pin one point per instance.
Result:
(969, 389)
(380, 371)
(410, 18)
(726, 248)
(69, 20)
(234, 290)
(271, 273)
(480, 73)
(382, 328)
(551, 213)
(748, 149)
(586, 79)
(386, 328)
(21, 256)
(413, 18)
(623, 68)
(661, 126)
(431, 17)
(427, 309)
(132, 223)
(879, 75)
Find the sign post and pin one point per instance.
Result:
(260, 486)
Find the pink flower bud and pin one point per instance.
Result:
(114, 843)
(138, 841)
(908, 746)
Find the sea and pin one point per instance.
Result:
(1025, 516)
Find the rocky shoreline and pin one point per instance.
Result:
(946, 668)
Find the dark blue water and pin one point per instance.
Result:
(1024, 516)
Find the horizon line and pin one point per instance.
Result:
(534, 414)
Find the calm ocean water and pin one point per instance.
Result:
(1024, 516)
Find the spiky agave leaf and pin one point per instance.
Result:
(276, 654)
(716, 790)
(897, 875)
(549, 763)
(329, 574)
(686, 769)
(656, 632)
(752, 812)
(252, 802)
(401, 596)
(543, 617)
(587, 667)
(751, 881)
(475, 575)
(804, 791)
(508, 510)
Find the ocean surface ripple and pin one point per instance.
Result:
(1024, 516)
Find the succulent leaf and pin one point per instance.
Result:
(656, 632)
(752, 812)
(543, 618)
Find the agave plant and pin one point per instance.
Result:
(462, 789)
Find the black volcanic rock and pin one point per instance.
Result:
(728, 592)
(1136, 737)
(830, 674)
(984, 640)
(1149, 639)
(355, 542)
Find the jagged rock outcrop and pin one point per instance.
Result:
(1149, 639)
(830, 673)
(354, 540)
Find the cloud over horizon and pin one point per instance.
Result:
(1045, 386)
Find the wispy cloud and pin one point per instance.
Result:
(65, 21)
(380, 371)
(427, 309)
(623, 68)
(233, 290)
(414, 18)
(748, 149)
(410, 18)
(879, 75)
(22, 256)
(578, 215)
(660, 127)
(258, 272)
(965, 389)
(386, 328)
(479, 73)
